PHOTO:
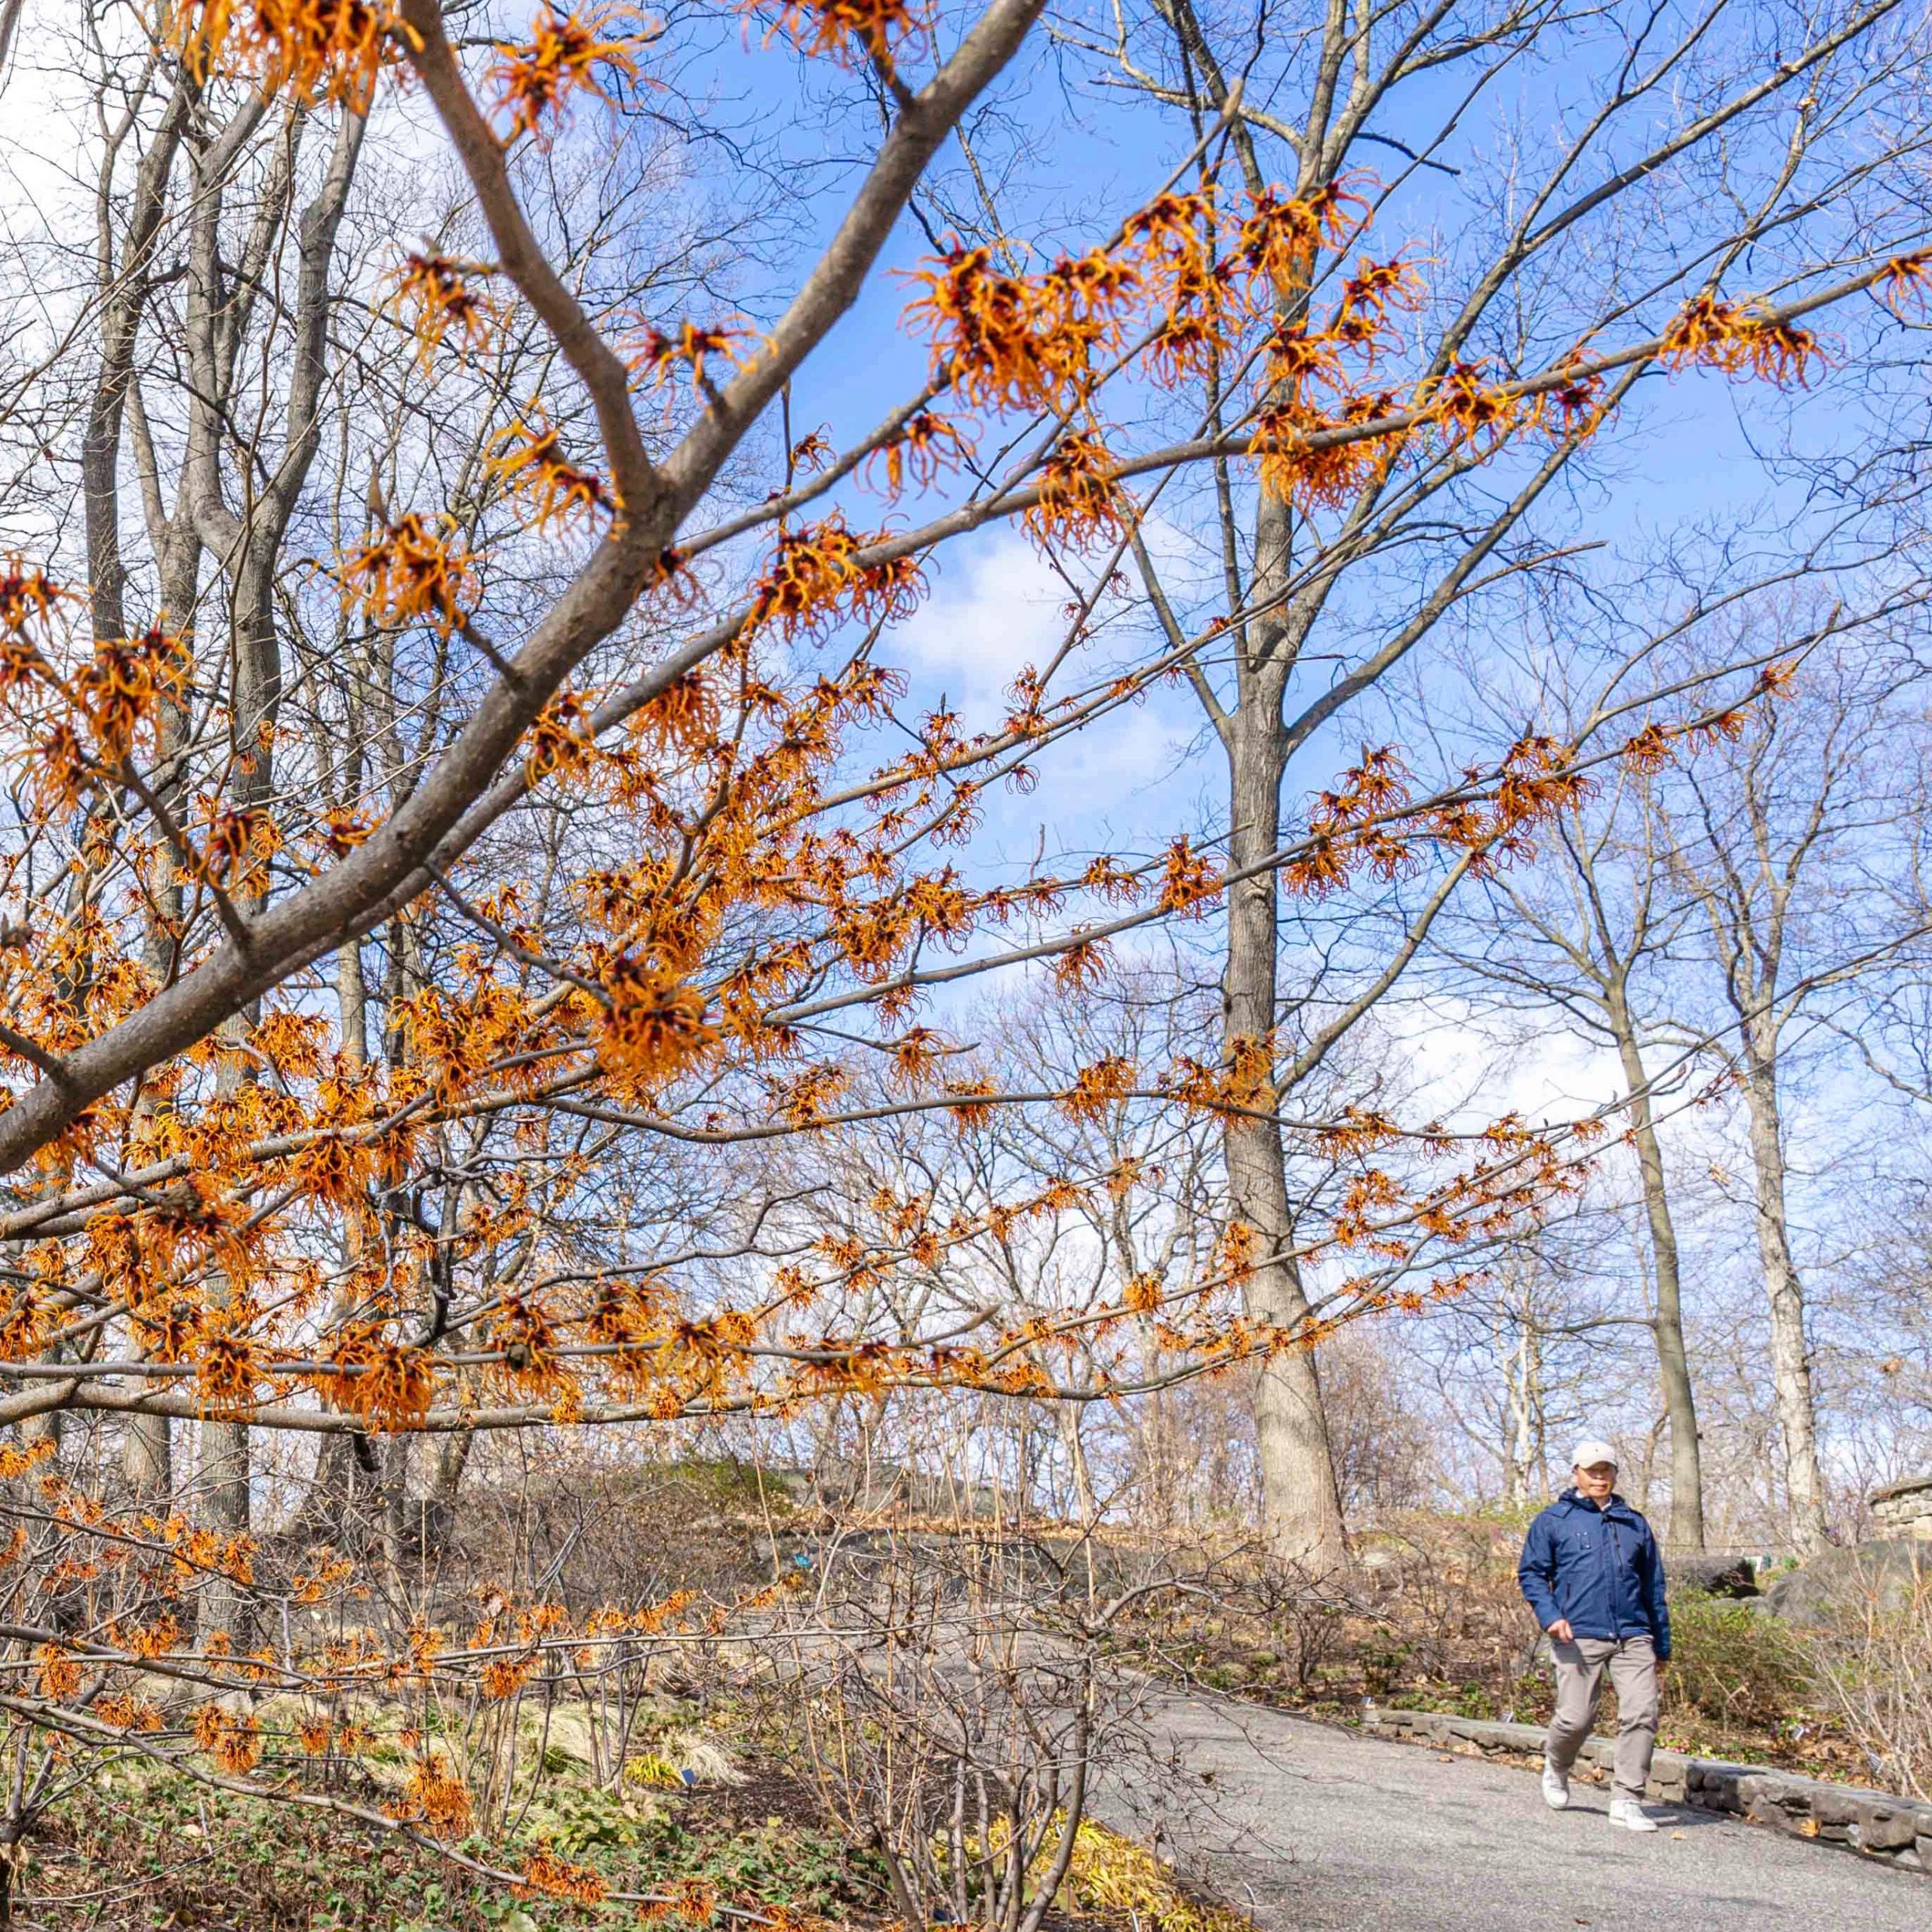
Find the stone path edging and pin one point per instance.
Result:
(1892, 1830)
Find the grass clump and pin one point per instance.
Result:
(1111, 1877)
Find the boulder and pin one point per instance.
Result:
(1712, 1576)
(1881, 1575)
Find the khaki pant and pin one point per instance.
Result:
(1632, 1665)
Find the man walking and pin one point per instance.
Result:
(1591, 1573)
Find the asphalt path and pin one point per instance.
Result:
(1311, 1830)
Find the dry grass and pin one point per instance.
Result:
(1872, 1664)
(1114, 1878)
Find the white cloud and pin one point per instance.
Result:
(996, 606)
(1461, 1067)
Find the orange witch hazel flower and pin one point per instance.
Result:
(1190, 882)
(433, 292)
(392, 1385)
(552, 1877)
(532, 463)
(1319, 473)
(1080, 503)
(239, 842)
(414, 572)
(656, 353)
(1904, 278)
(561, 740)
(26, 595)
(817, 578)
(928, 445)
(1281, 234)
(123, 686)
(1097, 1088)
(233, 1743)
(327, 50)
(535, 78)
(1046, 340)
(60, 1673)
(436, 1798)
(685, 714)
(1740, 340)
(1022, 341)
(847, 30)
(656, 1025)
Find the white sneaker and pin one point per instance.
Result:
(1631, 1815)
(1555, 1788)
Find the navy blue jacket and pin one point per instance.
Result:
(1598, 1570)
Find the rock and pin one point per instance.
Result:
(1884, 1827)
(1670, 1777)
(1841, 1816)
(1719, 1787)
(1863, 1576)
(1712, 1576)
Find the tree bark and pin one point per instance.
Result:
(1301, 1500)
(147, 1458)
(439, 1508)
(1525, 1394)
(226, 1509)
(1686, 1530)
(124, 289)
(1791, 1355)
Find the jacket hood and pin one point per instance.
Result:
(1571, 1499)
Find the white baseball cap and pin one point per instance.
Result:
(1589, 1452)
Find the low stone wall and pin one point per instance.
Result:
(1897, 1830)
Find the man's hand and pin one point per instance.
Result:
(1560, 1630)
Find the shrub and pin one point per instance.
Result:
(1871, 1662)
(947, 1698)
(1734, 1666)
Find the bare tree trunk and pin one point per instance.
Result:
(1791, 1356)
(248, 549)
(1687, 1464)
(225, 1501)
(1525, 1402)
(352, 995)
(147, 1458)
(439, 1506)
(10, 20)
(225, 1508)
(1081, 1475)
(1302, 1506)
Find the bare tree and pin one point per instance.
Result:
(1793, 836)
(1319, 592)
(1581, 935)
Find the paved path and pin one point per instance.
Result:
(1322, 1831)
